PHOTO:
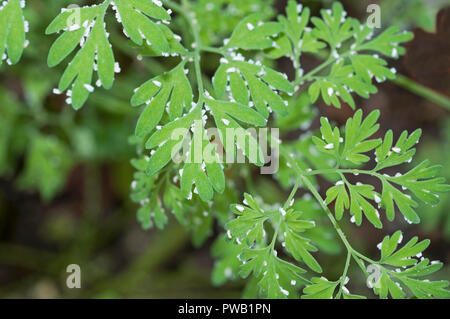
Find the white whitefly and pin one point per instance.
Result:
(400, 238)
(228, 272)
(346, 280)
(117, 67)
(157, 2)
(377, 198)
(89, 87)
(394, 53)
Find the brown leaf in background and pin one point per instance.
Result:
(428, 55)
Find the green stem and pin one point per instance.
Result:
(295, 56)
(302, 176)
(296, 62)
(106, 5)
(189, 16)
(313, 72)
(422, 91)
(214, 50)
(343, 171)
(174, 6)
(344, 274)
(249, 180)
(292, 194)
(274, 238)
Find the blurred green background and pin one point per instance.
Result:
(65, 176)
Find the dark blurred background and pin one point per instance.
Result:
(65, 176)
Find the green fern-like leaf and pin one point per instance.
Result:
(85, 28)
(421, 181)
(353, 62)
(413, 268)
(13, 28)
(276, 277)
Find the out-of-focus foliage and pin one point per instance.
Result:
(218, 18)
(51, 139)
(437, 217)
(419, 13)
(13, 27)
(47, 164)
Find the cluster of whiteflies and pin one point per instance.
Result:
(89, 25)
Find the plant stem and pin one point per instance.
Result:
(105, 5)
(422, 91)
(274, 238)
(344, 274)
(302, 176)
(189, 16)
(292, 194)
(214, 50)
(322, 66)
(343, 171)
(175, 6)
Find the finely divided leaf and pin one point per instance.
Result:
(13, 27)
